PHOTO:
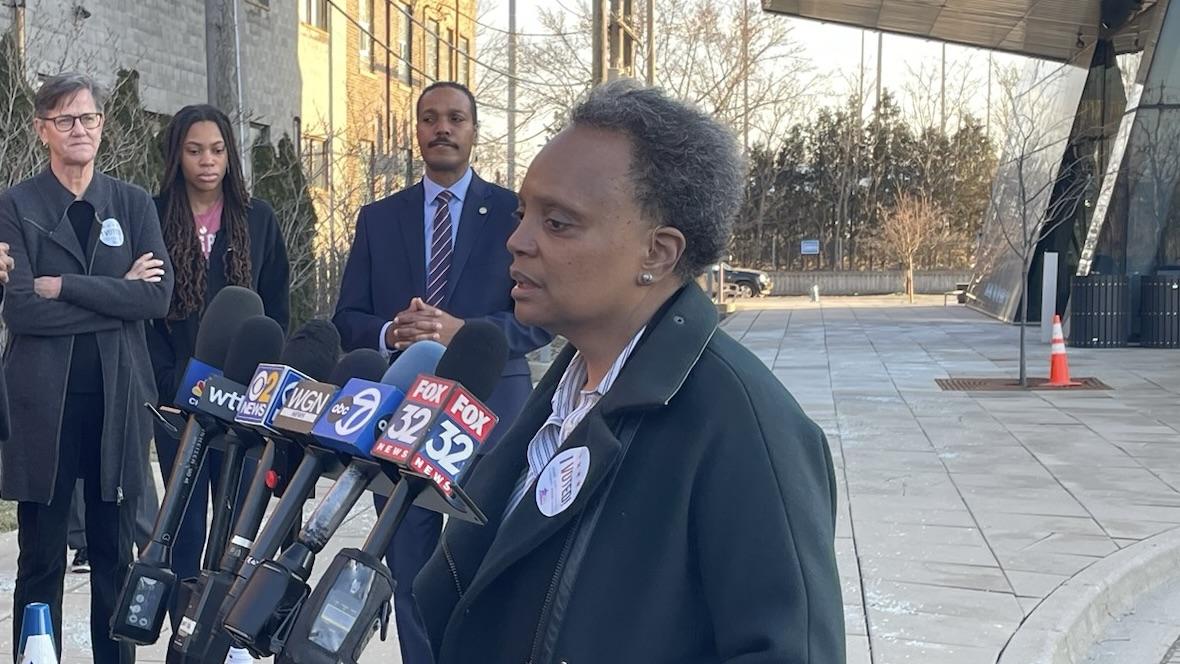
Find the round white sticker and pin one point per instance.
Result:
(111, 234)
(562, 480)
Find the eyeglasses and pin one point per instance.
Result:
(65, 123)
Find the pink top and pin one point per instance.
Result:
(208, 224)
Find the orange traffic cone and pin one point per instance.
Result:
(1058, 362)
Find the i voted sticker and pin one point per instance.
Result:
(111, 234)
(562, 480)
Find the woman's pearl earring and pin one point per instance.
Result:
(647, 278)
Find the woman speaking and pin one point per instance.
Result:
(90, 268)
(661, 498)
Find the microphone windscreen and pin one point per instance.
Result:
(313, 349)
(259, 340)
(364, 363)
(219, 324)
(420, 358)
(475, 358)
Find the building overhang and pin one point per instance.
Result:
(1048, 29)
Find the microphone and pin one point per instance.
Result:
(148, 590)
(352, 600)
(311, 350)
(351, 426)
(219, 326)
(260, 341)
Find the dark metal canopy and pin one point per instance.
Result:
(1050, 29)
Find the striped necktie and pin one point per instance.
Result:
(441, 248)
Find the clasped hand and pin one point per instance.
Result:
(421, 322)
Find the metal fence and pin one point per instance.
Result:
(865, 283)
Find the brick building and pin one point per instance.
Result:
(164, 40)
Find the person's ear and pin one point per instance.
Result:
(665, 248)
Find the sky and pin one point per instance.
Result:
(833, 51)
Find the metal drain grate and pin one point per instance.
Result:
(1011, 384)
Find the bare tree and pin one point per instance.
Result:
(915, 224)
(1043, 177)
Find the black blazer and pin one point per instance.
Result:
(171, 343)
(3, 395)
(715, 542)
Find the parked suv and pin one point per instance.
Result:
(745, 282)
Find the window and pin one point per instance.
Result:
(463, 66)
(365, 19)
(315, 162)
(259, 134)
(404, 50)
(315, 13)
(448, 51)
(432, 54)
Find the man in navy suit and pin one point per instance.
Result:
(6, 265)
(423, 262)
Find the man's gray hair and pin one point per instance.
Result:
(686, 166)
(58, 89)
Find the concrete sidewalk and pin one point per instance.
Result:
(76, 606)
(960, 512)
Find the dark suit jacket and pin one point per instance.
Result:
(387, 268)
(3, 395)
(715, 542)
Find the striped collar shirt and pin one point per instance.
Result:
(570, 405)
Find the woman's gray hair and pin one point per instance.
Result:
(57, 89)
(686, 166)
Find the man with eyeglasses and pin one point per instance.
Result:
(90, 268)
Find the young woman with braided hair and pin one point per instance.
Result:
(217, 235)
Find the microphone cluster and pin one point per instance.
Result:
(409, 430)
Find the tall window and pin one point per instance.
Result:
(365, 19)
(316, 12)
(315, 161)
(448, 50)
(463, 66)
(404, 48)
(432, 54)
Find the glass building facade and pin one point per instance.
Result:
(1090, 170)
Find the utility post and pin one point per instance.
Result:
(511, 95)
(223, 68)
(614, 40)
(650, 43)
(17, 27)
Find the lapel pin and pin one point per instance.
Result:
(483, 210)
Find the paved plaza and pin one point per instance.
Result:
(960, 512)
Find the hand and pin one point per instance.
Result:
(146, 268)
(7, 263)
(47, 287)
(421, 322)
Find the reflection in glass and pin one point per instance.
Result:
(1037, 119)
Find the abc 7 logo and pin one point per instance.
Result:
(352, 413)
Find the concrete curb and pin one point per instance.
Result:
(1063, 627)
